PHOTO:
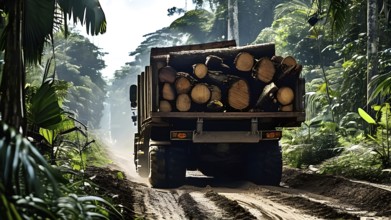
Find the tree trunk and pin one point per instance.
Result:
(372, 45)
(233, 21)
(12, 105)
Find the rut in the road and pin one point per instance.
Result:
(231, 207)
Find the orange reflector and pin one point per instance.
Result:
(181, 135)
(272, 135)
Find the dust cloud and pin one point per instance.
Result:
(117, 129)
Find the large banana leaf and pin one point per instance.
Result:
(45, 110)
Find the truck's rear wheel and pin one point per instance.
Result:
(264, 163)
(167, 166)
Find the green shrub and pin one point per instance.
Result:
(358, 162)
(302, 147)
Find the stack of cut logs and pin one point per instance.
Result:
(204, 81)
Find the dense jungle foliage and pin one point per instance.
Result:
(52, 94)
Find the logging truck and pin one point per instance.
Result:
(217, 108)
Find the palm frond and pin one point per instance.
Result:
(87, 12)
(381, 86)
(23, 169)
(339, 12)
(38, 27)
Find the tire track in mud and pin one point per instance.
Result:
(249, 202)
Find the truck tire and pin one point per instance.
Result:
(264, 163)
(167, 166)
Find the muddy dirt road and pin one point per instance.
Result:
(300, 196)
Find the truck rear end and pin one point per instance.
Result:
(216, 108)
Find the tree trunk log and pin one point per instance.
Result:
(168, 92)
(244, 61)
(167, 74)
(264, 70)
(239, 95)
(183, 83)
(200, 70)
(183, 103)
(285, 95)
(165, 106)
(200, 93)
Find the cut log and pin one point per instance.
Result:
(200, 70)
(289, 61)
(267, 95)
(244, 61)
(286, 108)
(216, 93)
(183, 103)
(183, 82)
(264, 70)
(200, 93)
(168, 92)
(239, 95)
(285, 95)
(165, 106)
(167, 74)
(182, 85)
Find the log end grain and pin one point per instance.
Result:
(167, 74)
(289, 61)
(182, 85)
(200, 93)
(264, 70)
(168, 92)
(239, 95)
(244, 61)
(165, 106)
(285, 95)
(200, 70)
(183, 103)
